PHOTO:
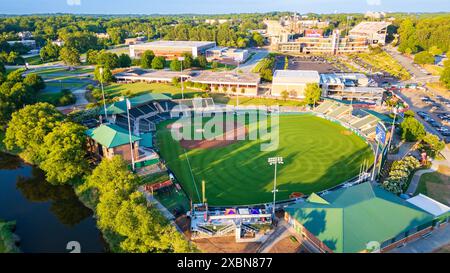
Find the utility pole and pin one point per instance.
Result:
(274, 161)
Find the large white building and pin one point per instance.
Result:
(374, 32)
(293, 81)
(172, 49)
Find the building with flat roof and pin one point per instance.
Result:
(350, 86)
(229, 82)
(227, 55)
(293, 81)
(374, 32)
(172, 49)
(357, 219)
(29, 43)
(149, 76)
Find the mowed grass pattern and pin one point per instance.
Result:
(318, 154)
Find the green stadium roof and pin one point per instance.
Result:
(147, 140)
(111, 135)
(120, 107)
(349, 218)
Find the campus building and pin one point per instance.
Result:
(227, 55)
(360, 218)
(350, 86)
(333, 44)
(374, 32)
(149, 76)
(171, 49)
(293, 81)
(29, 43)
(233, 83)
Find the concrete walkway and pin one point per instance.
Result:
(403, 150)
(280, 232)
(434, 167)
(437, 239)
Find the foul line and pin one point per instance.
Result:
(192, 175)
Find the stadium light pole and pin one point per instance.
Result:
(129, 133)
(274, 161)
(181, 59)
(393, 127)
(103, 92)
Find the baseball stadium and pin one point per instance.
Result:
(318, 153)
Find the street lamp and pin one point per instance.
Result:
(103, 92)
(275, 161)
(181, 59)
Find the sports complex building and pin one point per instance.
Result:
(172, 49)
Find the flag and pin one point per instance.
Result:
(381, 133)
(128, 104)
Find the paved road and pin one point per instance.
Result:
(248, 66)
(437, 239)
(404, 148)
(405, 62)
(280, 232)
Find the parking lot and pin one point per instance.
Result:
(433, 110)
(317, 63)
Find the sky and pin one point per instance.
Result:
(217, 6)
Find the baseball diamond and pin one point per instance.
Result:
(318, 154)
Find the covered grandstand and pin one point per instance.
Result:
(361, 121)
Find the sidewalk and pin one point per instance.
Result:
(437, 239)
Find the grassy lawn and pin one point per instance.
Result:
(132, 89)
(433, 69)
(385, 62)
(317, 155)
(436, 185)
(232, 100)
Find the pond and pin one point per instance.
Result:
(47, 217)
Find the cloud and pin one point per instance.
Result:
(374, 2)
(74, 2)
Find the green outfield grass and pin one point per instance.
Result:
(318, 154)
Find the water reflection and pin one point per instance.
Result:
(47, 216)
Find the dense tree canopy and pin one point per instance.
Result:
(29, 126)
(70, 56)
(147, 58)
(424, 57)
(312, 93)
(63, 153)
(412, 129)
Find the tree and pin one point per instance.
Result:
(175, 65)
(124, 60)
(158, 62)
(434, 50)
(424, 57)
(188, 61)
(412, 129)
(35, 81)
(409, 114)
(214, 65)
(445, 75)
(105, 77)
(258, 39)
(49, 52)
(432, 144)
(285, 95)
(175, 81)
(202, 61)
(63, 153)
(108, 60)
(312, 93)
(116, 34)
(2, 68)
(70, 56)
(29, 126)
(91, 56)
(147, 58)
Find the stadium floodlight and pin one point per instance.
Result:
(100, 70)
(274, 161)
(181, 59)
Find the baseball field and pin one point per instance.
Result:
(318, 154)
